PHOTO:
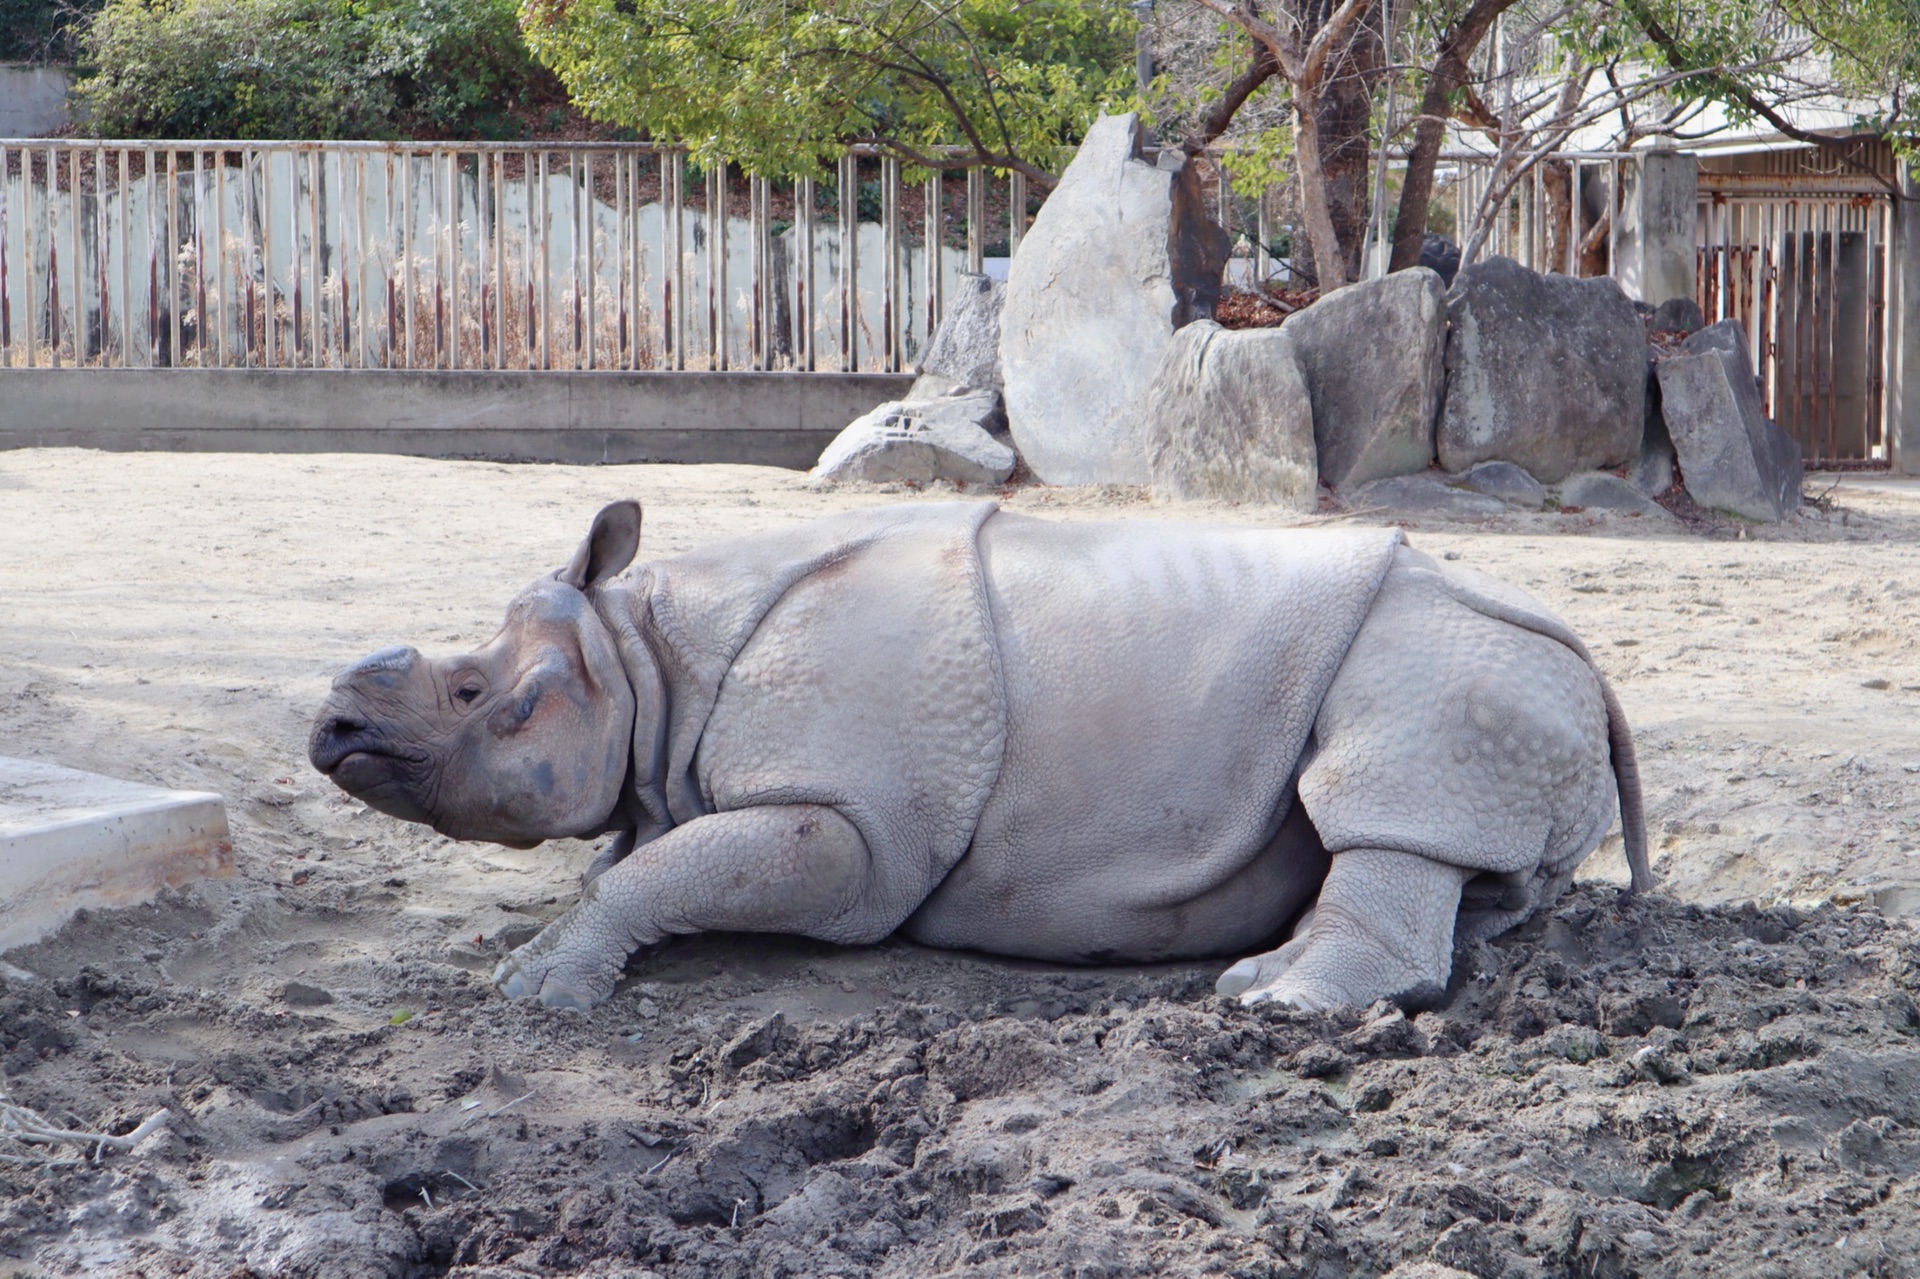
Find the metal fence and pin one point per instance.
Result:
(376, 255)
(1563, 214)
(1802, 262)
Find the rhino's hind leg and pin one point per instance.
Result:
(1382, 929)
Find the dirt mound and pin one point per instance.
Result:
(1625, 1087)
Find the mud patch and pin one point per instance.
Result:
(1624, 1087)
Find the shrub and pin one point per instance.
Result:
(306, 69)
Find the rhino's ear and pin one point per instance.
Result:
(611, 545)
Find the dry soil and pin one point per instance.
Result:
(1685, 1084)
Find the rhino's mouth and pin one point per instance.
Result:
(357, 757)
(383, 780)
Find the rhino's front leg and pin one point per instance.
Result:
(1382, 928)
(784, 868)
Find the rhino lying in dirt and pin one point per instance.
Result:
(1085, 742)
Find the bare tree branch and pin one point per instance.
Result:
(1728, 85)
(1263, 68)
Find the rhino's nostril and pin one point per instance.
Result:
(345, 726)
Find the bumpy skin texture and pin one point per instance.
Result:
(1455, 750)
(1084, 742)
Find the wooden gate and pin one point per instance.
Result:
(1801, 260)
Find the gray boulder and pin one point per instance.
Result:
(1427, 493)
(964, 350)
(1731, 457)
(1122, 254)
(922, 441)
(1374, 358)
(1605, 491)
(1505, 481)
(1229, 418)
(1546, 371)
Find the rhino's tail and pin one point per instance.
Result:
(1626, 774)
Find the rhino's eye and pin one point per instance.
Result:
(467, 693)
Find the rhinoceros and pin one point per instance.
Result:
(1092, 742)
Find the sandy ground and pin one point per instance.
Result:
(1648, 1088)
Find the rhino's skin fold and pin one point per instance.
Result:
(1127, 740)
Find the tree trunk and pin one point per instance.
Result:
(1323, 236)
(1336, 114)
(1556, 180)
(1341, 120)
(1450, 71)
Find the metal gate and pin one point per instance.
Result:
(1801, 260)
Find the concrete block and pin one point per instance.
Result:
(70, 840)
(762, 419)
(1655, 239)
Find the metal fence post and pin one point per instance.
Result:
(803, 208)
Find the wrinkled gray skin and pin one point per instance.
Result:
(1117, 741)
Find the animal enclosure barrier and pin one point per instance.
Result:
(1563, 214)
(1802, 262)
(477, 256)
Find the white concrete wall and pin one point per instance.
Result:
(33, 100)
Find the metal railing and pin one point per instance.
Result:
(1562, 215)
(474, 256)
(1803, 263)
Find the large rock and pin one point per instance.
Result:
(1605, 491)
(1505, 481)
(964, 350)
(1373, 354)
(922, 441)
(1545, 371)
(1229, 418)
(1429, 493)
(1677, 315)
(1122, 254)
(1731, 457)
(1653, 472)
(1440, 255)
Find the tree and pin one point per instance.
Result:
(782, 86)
(1528, 75)
(1328, 52)
(1459, 37)
(43, 30)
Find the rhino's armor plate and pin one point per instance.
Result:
(1047, 725)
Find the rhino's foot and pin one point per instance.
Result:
(573, 962)
(1253, 977)
(550, 988)
(1382, 929)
